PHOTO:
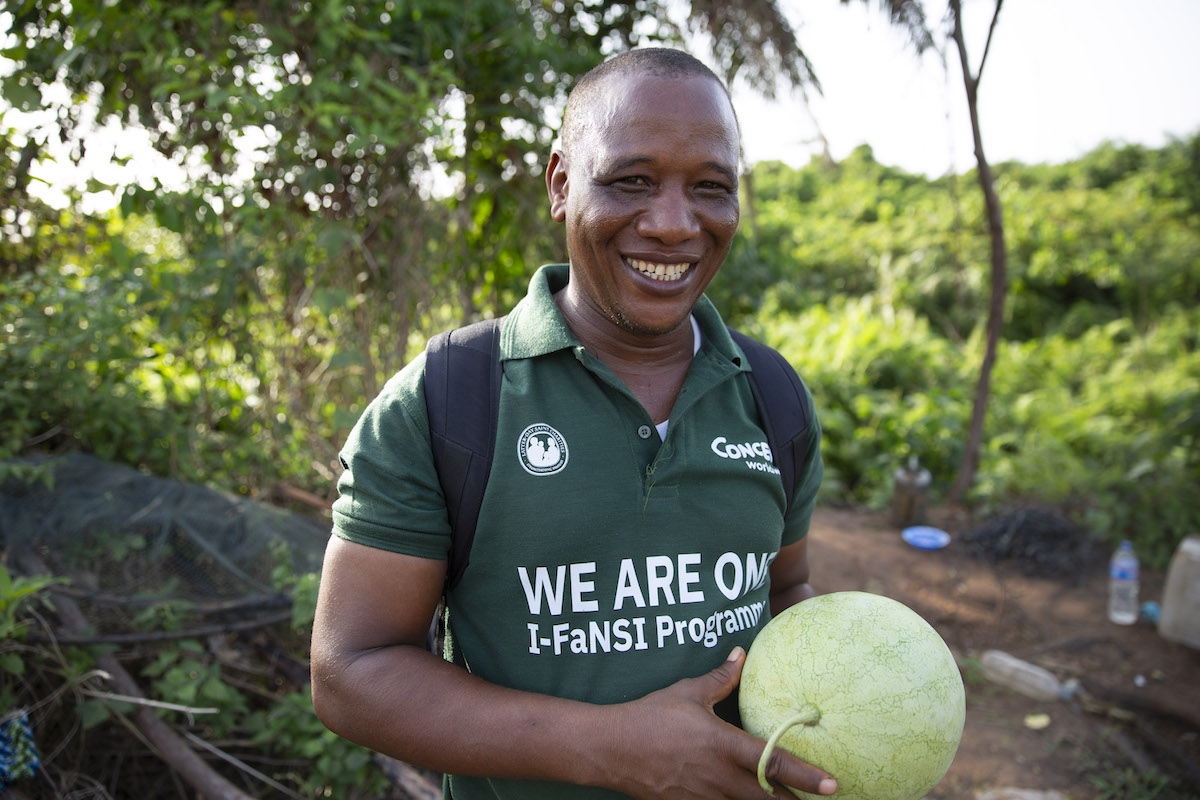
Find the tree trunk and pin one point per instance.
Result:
(999, 283)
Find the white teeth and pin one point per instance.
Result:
(659, 272)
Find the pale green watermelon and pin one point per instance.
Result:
(884, 687)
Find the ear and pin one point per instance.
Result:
(557, 186)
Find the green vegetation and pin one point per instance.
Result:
(873, 283)
(229, 331)
(1115, 781)
(14, 593)
(121, 341)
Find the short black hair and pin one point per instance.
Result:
(661, 62)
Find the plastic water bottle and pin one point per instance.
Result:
(1028, 679)
(1123, 585)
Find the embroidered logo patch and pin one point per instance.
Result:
(542, 450)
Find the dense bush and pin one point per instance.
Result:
(885, 386)
(876, 291)
(1107, 421)
(123, 349)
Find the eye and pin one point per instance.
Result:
(633, 181)
(713, 187)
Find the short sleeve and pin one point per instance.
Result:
(388, 494)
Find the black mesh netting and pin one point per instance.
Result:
(196, 682)
(128, 540)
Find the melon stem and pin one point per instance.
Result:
(807, 714)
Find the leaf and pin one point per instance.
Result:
(1140, 470)
(329, 300)
(332, 239)
(348, 357)
(12, 663)
(356, 759)
(22, 95)
(93, 713)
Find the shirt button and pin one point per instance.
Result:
(644, 431)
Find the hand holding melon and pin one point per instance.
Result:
(858, 685)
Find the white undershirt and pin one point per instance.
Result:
(662, 426)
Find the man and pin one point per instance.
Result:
(620, 565)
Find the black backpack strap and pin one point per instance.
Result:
(462, 395)
(784, 406)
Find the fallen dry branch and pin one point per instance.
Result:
(251, 602)
(1185, 767)
(189, 711)
(283, 491)
(1143, 703)
(166, 636)
(1132, 709)
(242, 765)
(167, 744)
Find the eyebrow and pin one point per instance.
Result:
(634, 161)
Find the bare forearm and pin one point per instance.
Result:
(789, 577)
(412, 705)
(789, 596)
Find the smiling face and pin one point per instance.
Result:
(648, 193)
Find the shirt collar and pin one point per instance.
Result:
(535, 326)
(539, 327)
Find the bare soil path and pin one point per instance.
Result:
(1136, 733)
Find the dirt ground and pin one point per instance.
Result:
(1135, 734)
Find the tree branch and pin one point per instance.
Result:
(166, 636)
(999, 278)
(242, 765)
(250, 602)
(961, 43)
(188, 711)
(988, 46)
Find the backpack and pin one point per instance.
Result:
(462, 393)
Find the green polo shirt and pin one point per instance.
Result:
(607, 562)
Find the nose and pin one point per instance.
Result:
(669, 217)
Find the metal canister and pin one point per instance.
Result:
(910, 494)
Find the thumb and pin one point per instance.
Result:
(718, 684)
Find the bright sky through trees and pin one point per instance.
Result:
(1062, 77)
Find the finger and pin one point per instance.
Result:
(783, 768)
(720, 682)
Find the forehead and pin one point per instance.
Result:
(689, 115)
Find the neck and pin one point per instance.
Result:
(625, 351)
(653, 367)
